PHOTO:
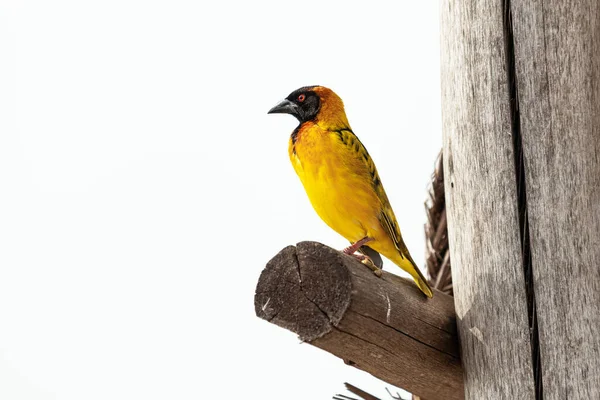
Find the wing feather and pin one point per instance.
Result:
(386, 216)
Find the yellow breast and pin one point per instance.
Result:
(337, 183)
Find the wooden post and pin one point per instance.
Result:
(557, 59)
(384, 326)
(481, 203)
(521, 119)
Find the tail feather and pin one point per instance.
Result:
(407, 264)
(422, 284)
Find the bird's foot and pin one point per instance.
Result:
(365, 260)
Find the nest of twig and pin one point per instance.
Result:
(362, 395)
(437, 252)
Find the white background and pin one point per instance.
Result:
(143, 186)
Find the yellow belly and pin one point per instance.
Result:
(339, 189)
(342, 203)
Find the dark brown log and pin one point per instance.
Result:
(384, 326)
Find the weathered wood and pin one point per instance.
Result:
(359, 392)
(557, 58)
(481, 202)
(384, 326)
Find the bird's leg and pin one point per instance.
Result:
(356, 245)
(350, 250)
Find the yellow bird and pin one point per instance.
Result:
(341, 180)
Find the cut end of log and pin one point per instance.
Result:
(305, 289)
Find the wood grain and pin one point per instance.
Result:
(384, 326)
(557, 53)
(481, 202)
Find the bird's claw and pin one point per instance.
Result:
(369, 263)
(365, 260)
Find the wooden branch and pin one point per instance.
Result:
(359, 392)
(384, 326)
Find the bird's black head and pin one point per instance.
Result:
(303, 103)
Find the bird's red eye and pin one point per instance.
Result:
(301, 98)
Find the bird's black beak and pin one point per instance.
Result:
(285, 107)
